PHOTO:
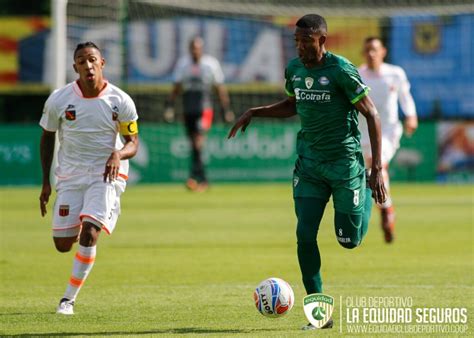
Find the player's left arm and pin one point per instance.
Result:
(128, 128)
(227, 113)
(129, 149)
(407, 104)
(366, 107)
(221, 90)
(357, 93)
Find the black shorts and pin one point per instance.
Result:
(200, 123)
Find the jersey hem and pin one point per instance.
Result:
(66, 228)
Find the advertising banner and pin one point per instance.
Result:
(455, 152)
(19, 155)
(266, 152)
(249, 50)
(415, 160)
(437, 55)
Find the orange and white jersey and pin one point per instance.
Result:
(389, 87)
(88, 128)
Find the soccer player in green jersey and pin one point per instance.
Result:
(327, 93)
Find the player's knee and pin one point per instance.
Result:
(63, 249)
(63, 244)
(306, 236)
(90, 233)
(348, 230)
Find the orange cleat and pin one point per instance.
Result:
(192, 184)
(202, 186)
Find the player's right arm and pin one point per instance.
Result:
(282, 109)
(46, 155)
(178, 82)
(177, 89)
(50, 124)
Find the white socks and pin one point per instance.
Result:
(83, 263)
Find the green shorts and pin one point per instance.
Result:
(344, 179)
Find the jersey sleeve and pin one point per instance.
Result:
(351, 83)
(128, 117)
(290, 91)
(217, 72)
(50, 119)
(128, 112)
(404, 96)
(178, 75)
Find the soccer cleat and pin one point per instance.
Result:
(203, 186)
(388, 223)
(310, 326)
(65, 307)
(192, 184)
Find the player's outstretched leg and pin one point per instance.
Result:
(309, 212)
(82, 265)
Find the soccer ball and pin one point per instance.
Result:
(274, 297)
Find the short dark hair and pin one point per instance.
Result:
(196, 39)
(314, 22)
(373, 38)
(83, 45)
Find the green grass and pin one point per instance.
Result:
(183, 264)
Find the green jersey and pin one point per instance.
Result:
(325, 97)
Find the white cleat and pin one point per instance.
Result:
(65, 307)
(310, 326)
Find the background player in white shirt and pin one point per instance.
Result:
(389, 87)
(92, 169)
(196, 76)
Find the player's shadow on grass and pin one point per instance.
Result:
(182, 330)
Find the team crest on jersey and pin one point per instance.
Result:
(64, 210)
(323, 81)
(309, 82)
(70, 112)
(115, 113)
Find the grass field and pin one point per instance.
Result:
(181, 263)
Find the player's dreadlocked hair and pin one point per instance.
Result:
(83, 45)
(314, 22)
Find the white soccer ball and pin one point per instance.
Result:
(274, 297)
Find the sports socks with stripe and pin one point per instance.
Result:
(83, 263)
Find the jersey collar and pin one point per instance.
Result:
(78, 90)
